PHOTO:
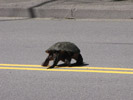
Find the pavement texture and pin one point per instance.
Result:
(106, 44)
(102, 43)
(80, 9)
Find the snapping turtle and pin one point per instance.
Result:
(64, 51)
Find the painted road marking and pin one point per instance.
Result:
(84, 67)
(73, 69)
(67, 70)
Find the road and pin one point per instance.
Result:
(106, 46)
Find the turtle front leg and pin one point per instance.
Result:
(56, 58)
(46, 62)
(68, 61)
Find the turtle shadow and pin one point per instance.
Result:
(73, 65)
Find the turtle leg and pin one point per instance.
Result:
(79, 60)
(46, 62)
(66, 58)
(56, 58)
(67, 61)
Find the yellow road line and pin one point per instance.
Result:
(67, 70)
(104, 68)
(100, 68)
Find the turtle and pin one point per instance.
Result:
(63, 51)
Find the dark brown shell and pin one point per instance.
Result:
(64, 46)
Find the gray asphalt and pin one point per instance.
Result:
(39, 85)
(102, 44)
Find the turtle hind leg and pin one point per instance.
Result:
(79, 60)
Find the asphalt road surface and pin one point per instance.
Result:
(106, 46)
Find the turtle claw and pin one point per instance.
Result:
(50, 67)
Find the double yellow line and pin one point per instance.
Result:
(68, 69)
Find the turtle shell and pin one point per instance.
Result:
(64, 46)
